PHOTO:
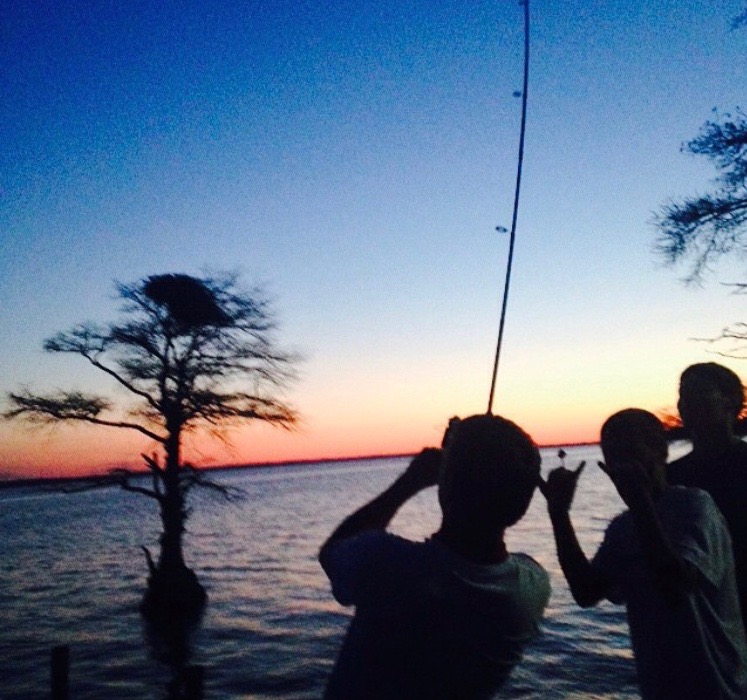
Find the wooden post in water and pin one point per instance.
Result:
(60, 672)
(193, 678)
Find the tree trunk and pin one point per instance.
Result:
(174, 593)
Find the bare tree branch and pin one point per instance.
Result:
(194, 477)
(69, 406)
(123, 478)
(89, 342)
(699, 230)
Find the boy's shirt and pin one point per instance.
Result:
(428, 623)
(725, 479)
(696, 648)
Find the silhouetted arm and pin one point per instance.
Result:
(422, 472)
(588, 585)
(676, 576)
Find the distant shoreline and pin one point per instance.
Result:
(61, 480)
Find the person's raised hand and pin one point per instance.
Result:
(560, 488)
(632, 481)
(450, 430)
(424, 470)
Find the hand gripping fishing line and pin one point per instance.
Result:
(512, 238)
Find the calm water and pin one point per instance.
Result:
(71, 572)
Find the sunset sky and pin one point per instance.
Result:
(355, 159)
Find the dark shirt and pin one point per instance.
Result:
(725, 478)
(428, 624)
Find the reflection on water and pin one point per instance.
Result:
(71, 572)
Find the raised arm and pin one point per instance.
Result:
(588, 586)
(422, 472)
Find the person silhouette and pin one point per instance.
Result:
(448, 617)
(667, 558)
(711, 399)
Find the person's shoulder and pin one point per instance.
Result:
(618, 534)
(369, 548)
(690, 496)
(529, 569)
(619, 522)
(691, 504)
(524, 561)
(530, 583)
(358, 565)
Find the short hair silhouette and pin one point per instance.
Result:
(628, 433)
(491, 470)
(726, 381)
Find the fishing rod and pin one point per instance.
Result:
(512, 237)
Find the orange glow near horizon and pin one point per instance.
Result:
(83, 451)
(348, 419)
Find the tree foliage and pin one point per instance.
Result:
(190, 353)
(700, 229)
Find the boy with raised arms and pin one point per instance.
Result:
(668, 558)
(448, 618)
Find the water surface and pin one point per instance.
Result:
(71, 572)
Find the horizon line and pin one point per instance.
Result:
(29, 481)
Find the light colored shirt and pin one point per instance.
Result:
(695, 648)
(724, 477)
(428, 623)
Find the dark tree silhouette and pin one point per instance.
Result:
(701, 229)
(185, 351)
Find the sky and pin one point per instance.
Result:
(355, 159)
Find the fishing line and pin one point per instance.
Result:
(512, 238)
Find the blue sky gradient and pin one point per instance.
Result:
(355, 159)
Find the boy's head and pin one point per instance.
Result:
(634, 435)
(710, 394)
(491, 467)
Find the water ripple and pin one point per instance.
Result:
(71, 572)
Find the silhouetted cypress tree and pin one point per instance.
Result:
(192, 352)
